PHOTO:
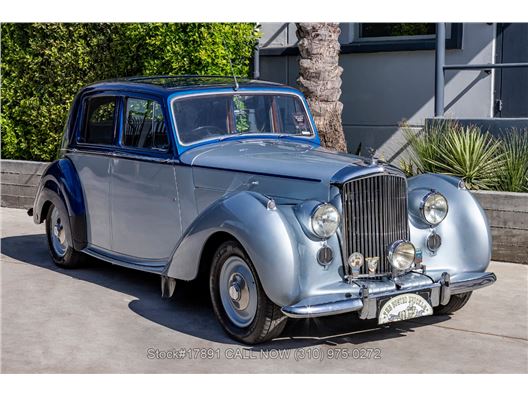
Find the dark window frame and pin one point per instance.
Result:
(382, 45)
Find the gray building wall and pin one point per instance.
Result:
(383, 89)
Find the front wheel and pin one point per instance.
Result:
(59, 238)
(456, 302)
(239, 302)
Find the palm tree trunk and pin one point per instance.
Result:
(320, 79)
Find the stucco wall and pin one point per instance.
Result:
(382, 89)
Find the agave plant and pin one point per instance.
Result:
(470, 154)
(444, 146)
(513, 175)
(424, 145)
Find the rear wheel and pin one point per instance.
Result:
(239, 302)
(59, 238)
(456, 302)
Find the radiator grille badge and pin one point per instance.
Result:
(372, 264)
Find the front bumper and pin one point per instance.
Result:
(363, 295)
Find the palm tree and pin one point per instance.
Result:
(320, 79)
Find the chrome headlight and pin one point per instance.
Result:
(434, 208)
(325, 220)
(402, 255)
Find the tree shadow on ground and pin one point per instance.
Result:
(189, 311)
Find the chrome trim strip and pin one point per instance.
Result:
(124, 155)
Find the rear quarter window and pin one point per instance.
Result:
(99, 120)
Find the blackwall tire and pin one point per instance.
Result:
(59, 237)
(257, 319)
(456, 302)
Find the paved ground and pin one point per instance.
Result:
(104, 318)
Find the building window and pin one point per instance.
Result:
(399, 30)
(383, 37)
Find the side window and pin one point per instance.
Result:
(145, 125)
(99, 125)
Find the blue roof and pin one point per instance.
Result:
(167, 85)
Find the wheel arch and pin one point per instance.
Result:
(60, 184)
(209, 248)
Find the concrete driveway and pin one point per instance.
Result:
(103, 318)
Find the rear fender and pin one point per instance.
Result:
(60, 185)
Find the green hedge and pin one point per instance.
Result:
(44, 65)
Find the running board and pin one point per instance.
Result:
(152, 266)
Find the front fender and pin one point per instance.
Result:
(60, 182)
(465, 232)
(265, 235)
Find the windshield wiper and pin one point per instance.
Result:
(303, 133)
(230, 135)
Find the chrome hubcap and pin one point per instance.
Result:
(234, 291)
(238, 291)
(58, 234)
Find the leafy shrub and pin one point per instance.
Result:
(448, 148)
(513, 174)
(44, 65)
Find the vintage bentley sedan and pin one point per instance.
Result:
(204, 176)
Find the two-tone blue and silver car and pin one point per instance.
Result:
(190, 176)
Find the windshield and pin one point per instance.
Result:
(222, 115)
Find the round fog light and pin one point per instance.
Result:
(355, 262)
(401, 255)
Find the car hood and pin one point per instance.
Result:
(280, 157)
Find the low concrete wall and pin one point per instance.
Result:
(19, 180)
(508, 218)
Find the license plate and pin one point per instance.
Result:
(403, 307)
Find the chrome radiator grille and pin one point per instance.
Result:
(374, 216)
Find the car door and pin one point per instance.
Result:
(92, 155)
(145, 213)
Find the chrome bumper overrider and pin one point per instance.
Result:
(364, 295)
